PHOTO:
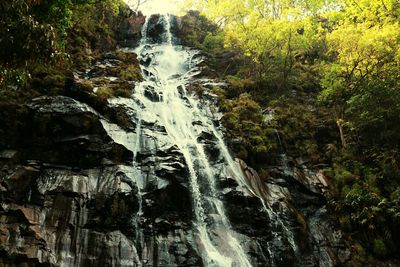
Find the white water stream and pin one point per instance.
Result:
(169, 69)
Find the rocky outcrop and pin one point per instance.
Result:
(156, 29)
(70, 195)
(128, 32)
(301, 231)
(64, 187)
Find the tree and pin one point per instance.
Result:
(23, 37)
(274, 34)
(364, 53)
(138, 3)
(23, 40)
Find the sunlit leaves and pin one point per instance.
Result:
(372, 12)
(272, 33)
(361, 49)
(361, 79)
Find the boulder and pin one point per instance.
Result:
(156, 29)
(129, 30)
(152, 95)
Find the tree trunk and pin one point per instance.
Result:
(339, 123)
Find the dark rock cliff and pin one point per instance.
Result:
(73, 192)
(63, 189)
(69, 196)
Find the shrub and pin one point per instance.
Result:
(104, 93)
(86, 85)
(131, 73)
(380, 249)
(359, 257)
(244, 119)
(123, 91)
(342, 176)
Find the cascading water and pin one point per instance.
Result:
(163, 98)
(175, 129)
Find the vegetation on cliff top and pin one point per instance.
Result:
(49, 39)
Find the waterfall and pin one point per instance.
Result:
(144, 33)
(163, 99)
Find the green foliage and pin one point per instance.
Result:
(238, 86)
(301, 127)
(104, 93)
(359, 256)
(197, 31)
(380, 248)
(119, 90)
(123, 91)
(35, 33)
(274, 35)
(366, 210)
(342, 176)
(244, 119)
(213, 41)
(34, 57)
(131, 73)
(93, 30)
(361, 86)
(375, 107)
(86, 85)
(55, 12)
(60, 13)
(364, 49)
(10, 77)
(25, 38)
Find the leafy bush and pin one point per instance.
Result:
(380, 248)
(130, 73)
(244, 119)
(104, 93)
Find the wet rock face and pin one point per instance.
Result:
(59, 130)
(70, 133)
(60, 210)
(151, 94)
(65, 197)
(64, 210)
(300, 230)
(156, 29)
(128, 33)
